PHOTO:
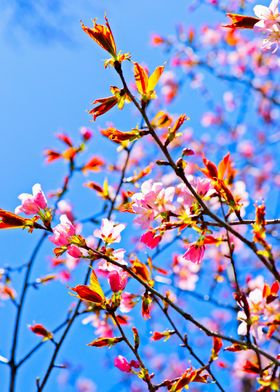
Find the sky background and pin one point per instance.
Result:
(50, 73)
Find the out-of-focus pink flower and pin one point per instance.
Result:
(229, 101)
(32, 204)
(74, 251)
(194, 253)
(109, 231)
(65, 208)
(170, 86)
(128, 301)
(117, 280)
(85, 385)
(86, 133)
(186, 273)
(62, 232)
(210, 36)
(246, 148)
(64, 276)
(122, 364)
(210, 119)
(151, 239)
(102, 326)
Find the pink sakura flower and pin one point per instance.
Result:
(202, 186)
(263, 307)
(109, 231)
(269, 23)
(32, 204)
(117, 255)
(255, 328)
(62, 232)
(268, 15)
(117, 280)
(273, 39)
(150, 239)
(153, 199)
(194, 253)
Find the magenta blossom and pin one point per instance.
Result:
(117, 280)
(86, 133)
(121, 363)
(194, 253)
(150, 239)
(62, 232)
(125, 366)
(32, 204)
(74, 251)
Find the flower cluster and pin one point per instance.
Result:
(269, 24)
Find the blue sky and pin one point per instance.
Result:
(50, 73)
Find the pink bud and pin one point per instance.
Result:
(117, 280)
(121, 363)
(86, 133)
(74, 251)
(134, 364)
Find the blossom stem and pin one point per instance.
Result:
(180, 173)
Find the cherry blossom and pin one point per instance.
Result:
(63, 232)
(32, 204)
(194, 253)
(117, 280)
(109, 231)
(268, 15)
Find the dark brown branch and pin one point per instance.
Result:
(184, 340)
